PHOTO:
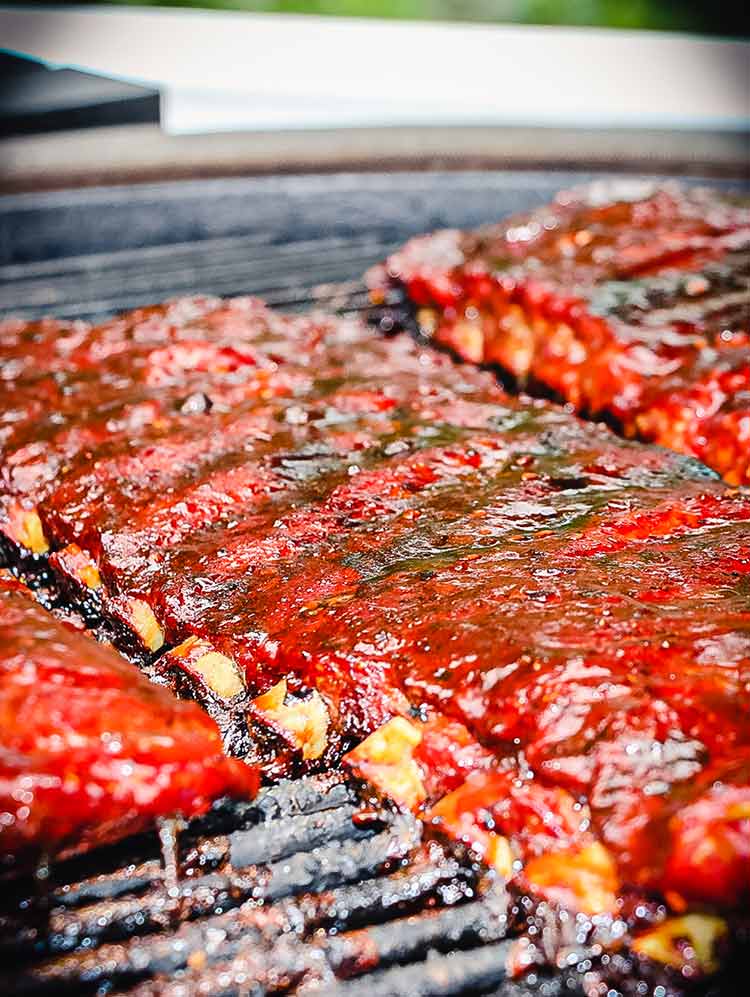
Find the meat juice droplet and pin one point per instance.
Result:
(42, 872)
(42, 884)
(169, 830)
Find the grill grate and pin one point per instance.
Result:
(92, 252)
(305, 890)
(287, 894)
(95, 287)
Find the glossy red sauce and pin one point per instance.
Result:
(631, 304)
(369, 520)
(90, 750)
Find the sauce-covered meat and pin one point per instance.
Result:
(627, 301)
(90, 750)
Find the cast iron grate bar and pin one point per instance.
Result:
(436, 976)
(474, 923)
(323, 272)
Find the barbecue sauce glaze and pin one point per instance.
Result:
(563, 617)
(629, 302)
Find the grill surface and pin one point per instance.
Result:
(89, 253)
(287, 894)
(305, 890)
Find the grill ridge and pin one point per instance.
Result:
(93, 287)
(291, 893)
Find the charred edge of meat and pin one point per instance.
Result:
(299, 716)
(285, 733)
(289, 740)
(56, 590)
(228, 717)
(34, 570)
(400, 314)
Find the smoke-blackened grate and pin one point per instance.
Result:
(302, 890)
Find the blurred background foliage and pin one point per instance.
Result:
(715, 18)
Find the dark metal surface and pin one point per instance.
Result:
(92, 252)
(295, 893)
(38, 98)
(285, 894)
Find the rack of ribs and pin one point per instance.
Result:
(631, 303)
(90, 750)
(532, 633)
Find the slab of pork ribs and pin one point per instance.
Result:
(90, 750)
(629, 302)
(532, 632)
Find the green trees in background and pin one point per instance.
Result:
(683, 15)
